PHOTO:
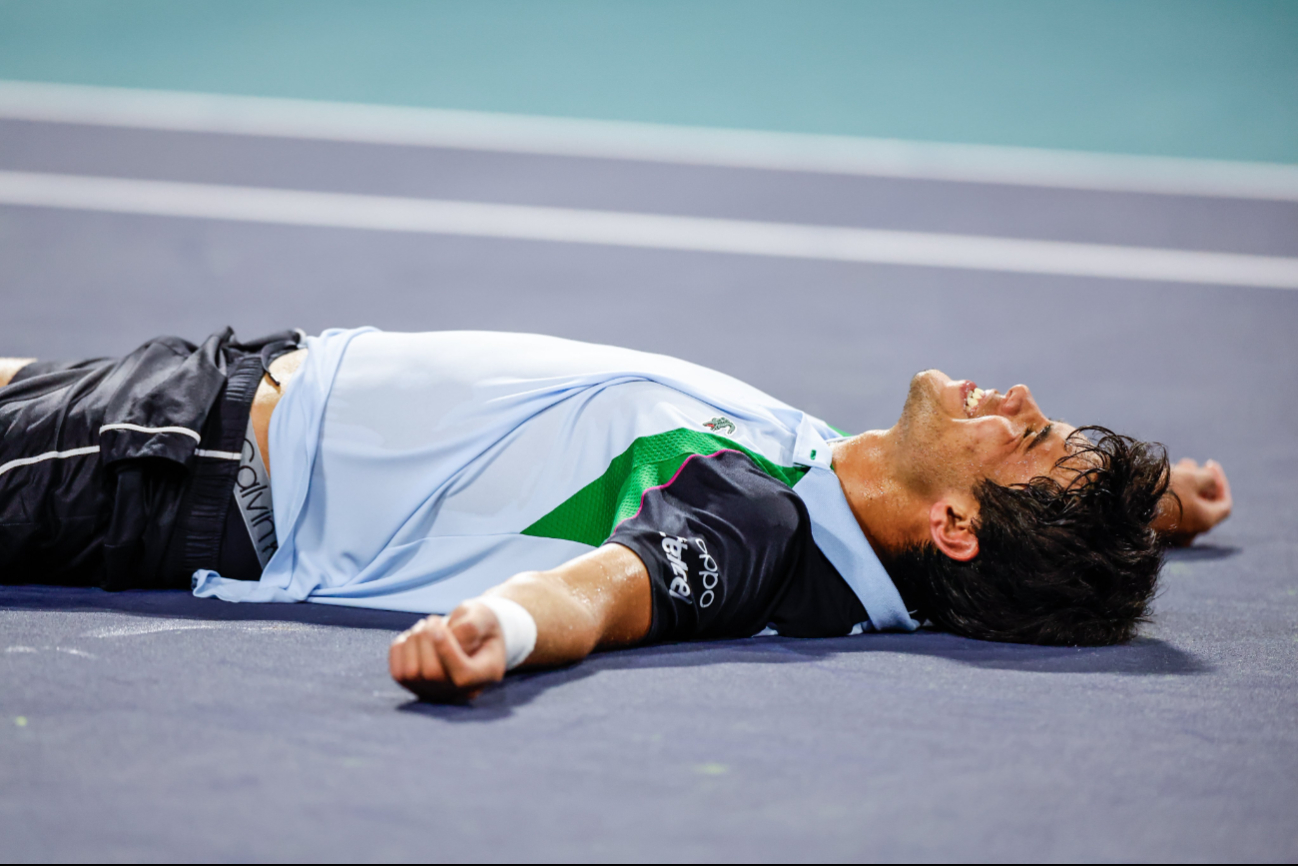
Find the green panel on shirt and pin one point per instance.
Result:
(590, 515)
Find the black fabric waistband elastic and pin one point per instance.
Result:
(208, 498)
(209, 494)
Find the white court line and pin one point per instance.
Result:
(600, 139)
(149, 628)
(651, 231)
(69, 650)
(165, 626)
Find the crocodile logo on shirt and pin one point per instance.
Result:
(721, 424)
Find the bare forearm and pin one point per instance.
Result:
(1168, 517)
(596, 601)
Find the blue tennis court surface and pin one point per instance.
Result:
(153, 726)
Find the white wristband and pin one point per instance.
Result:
(516, 626)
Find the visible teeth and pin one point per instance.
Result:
(972, 400)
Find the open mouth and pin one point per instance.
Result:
(974, 397)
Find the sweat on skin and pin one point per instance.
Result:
(709, 455)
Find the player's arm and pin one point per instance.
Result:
(592, 602)
(1205, 501)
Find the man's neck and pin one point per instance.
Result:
(882, 503)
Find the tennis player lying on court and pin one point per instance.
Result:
(629, 498)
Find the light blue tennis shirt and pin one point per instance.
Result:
(413, 471)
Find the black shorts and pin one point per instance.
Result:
(120, 472)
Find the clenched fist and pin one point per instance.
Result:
(1205, 501)
(450, 658)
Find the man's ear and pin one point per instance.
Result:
(951, 526)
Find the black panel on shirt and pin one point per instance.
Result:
(729, 551)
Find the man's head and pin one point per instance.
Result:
(1029, 530)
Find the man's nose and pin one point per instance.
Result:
(1020, 403)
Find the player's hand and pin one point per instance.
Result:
(450, 658)
(1205, 502)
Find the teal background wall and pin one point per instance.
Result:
(1203, 78)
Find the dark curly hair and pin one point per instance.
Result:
(1072, 564)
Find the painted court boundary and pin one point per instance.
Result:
(646, 231)
(394, 125)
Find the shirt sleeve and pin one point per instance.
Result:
(726, 548)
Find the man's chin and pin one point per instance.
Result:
(924, 396)
(929, 385)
